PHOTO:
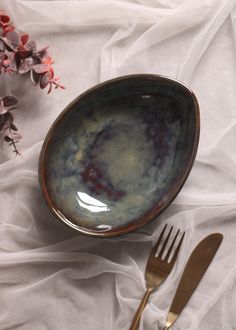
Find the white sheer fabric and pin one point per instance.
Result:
(50, 277)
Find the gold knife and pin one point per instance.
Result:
(194, 270)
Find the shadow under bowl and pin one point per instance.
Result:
(118, 155)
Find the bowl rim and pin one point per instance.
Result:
(150, 215)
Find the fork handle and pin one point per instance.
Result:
(137, 316)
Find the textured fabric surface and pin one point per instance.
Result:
(50, 277)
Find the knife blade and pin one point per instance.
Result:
(194, 270)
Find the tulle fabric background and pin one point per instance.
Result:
(50, 277)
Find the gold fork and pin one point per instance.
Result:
(157, 269)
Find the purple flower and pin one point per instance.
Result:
(19, 54)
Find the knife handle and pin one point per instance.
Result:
(137, 316)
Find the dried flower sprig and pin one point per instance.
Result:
(19, 54)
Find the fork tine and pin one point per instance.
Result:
(155, 247)
(171, 247)
(164, 244)
(177, 250)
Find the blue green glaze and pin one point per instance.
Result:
(119, 151)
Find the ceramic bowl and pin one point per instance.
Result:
(118, 155)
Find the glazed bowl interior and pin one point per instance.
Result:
(119, 154)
